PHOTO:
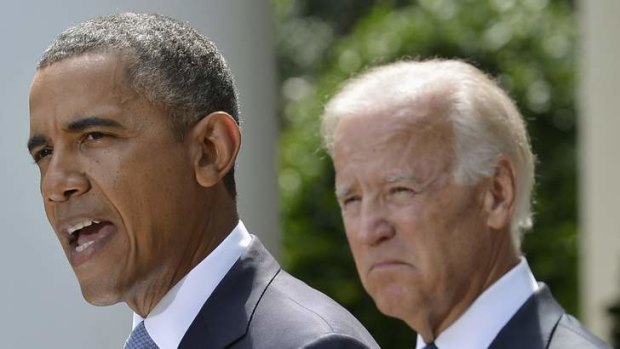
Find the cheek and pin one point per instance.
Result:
(115, 184)
(452, 243)
(354, 243)
(49, 212)
(422, 244)
(357, 249)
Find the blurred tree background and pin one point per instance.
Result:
(529, 45)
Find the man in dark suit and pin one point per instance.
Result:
(434, 173)
(134, 127)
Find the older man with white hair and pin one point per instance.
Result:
(434, 174)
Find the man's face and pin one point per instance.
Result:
(118, 189)
(418, 239)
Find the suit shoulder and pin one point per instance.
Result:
(292, 312)
(336, 341)
(570, 333)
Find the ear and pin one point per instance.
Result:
(216, 140)
(499, 199)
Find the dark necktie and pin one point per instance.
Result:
(140, 339)
(430, 346)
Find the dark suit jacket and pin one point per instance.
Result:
(259, 305)
(541, 323)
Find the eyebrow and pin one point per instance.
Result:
(345, 190)
(78, 125)
(36, 141)
(342, 191)
(401, 177)
(91, 121)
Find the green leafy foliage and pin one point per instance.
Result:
(528, 45)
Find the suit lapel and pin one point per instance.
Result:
(225, 316)
(531, 327)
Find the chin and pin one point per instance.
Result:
(391, 299)
(387, 307)
(98, 296)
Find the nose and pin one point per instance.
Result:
(63, 180)
(374, 224)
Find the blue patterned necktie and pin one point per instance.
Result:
(430, 346)
(140, 339)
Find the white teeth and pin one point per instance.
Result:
(84, 246)
(88, 222)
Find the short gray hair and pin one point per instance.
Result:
(168, 63)
(485, 120)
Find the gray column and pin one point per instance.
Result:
(41, 303)
(600, 161)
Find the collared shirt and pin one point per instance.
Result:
(175, 312)
(490, 312)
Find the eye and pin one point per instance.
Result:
(350, 199)
(93, 136)
(402, 191)
(41, 154)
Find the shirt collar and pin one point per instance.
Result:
(175, 312)
(490, 312)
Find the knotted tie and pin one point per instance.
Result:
(140, 339)
(430, 346)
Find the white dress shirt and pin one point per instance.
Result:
(175, 312)
(490, 312)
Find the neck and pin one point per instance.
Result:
(429, 324)
(209, 233)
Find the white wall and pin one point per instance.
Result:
(40, 302)
(600, 160)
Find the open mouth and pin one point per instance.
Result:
(84, 234)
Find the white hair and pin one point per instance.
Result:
(486, 122)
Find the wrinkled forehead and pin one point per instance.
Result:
(81, 86)
(375, 150)
(420, 123)
(393, 148)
